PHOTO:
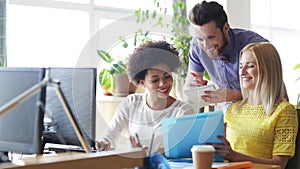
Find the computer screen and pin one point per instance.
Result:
(79, 87)
(21, 127)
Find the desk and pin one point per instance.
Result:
(107, 159)
(187, 165)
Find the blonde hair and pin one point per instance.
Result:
(270, 85)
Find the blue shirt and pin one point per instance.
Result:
(225, 74)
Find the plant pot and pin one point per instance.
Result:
(106, 91)
(121, 85)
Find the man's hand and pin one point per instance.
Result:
(197, 80)
(222, 95)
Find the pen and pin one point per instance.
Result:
(138, 139)
(139, 144)
(193, 74)
(151, 144)
(194, 82)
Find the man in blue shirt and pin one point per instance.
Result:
(216, 49)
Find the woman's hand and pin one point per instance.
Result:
(135, 141)
(103, 145)
(225, 149)
(227, 153)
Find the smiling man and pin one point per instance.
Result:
(215, 49)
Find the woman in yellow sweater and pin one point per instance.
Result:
(261, 128)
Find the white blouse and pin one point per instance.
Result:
(134, 116)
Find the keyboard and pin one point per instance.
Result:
(66, 148)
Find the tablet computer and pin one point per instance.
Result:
(181, 133)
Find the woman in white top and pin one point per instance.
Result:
(151, 66)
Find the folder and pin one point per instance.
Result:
(181, 133)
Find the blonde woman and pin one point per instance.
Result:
(261, 128)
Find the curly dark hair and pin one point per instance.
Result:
(205, 12)
(148, 55)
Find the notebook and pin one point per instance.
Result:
(181, 133)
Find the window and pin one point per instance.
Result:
(44, 37)
(61, 33)
(130, 4)
(277, 21)
(66, 33)
(56, 32)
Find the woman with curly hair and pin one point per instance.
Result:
(150, 65)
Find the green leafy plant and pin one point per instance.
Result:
(114, 65)
(178, 26)
(296, 67)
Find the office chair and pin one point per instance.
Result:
(294, 163)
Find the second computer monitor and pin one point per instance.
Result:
(79, 87)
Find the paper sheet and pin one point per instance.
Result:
(195, 94)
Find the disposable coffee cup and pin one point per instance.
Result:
(203, 156)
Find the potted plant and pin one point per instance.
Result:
(113, 76)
